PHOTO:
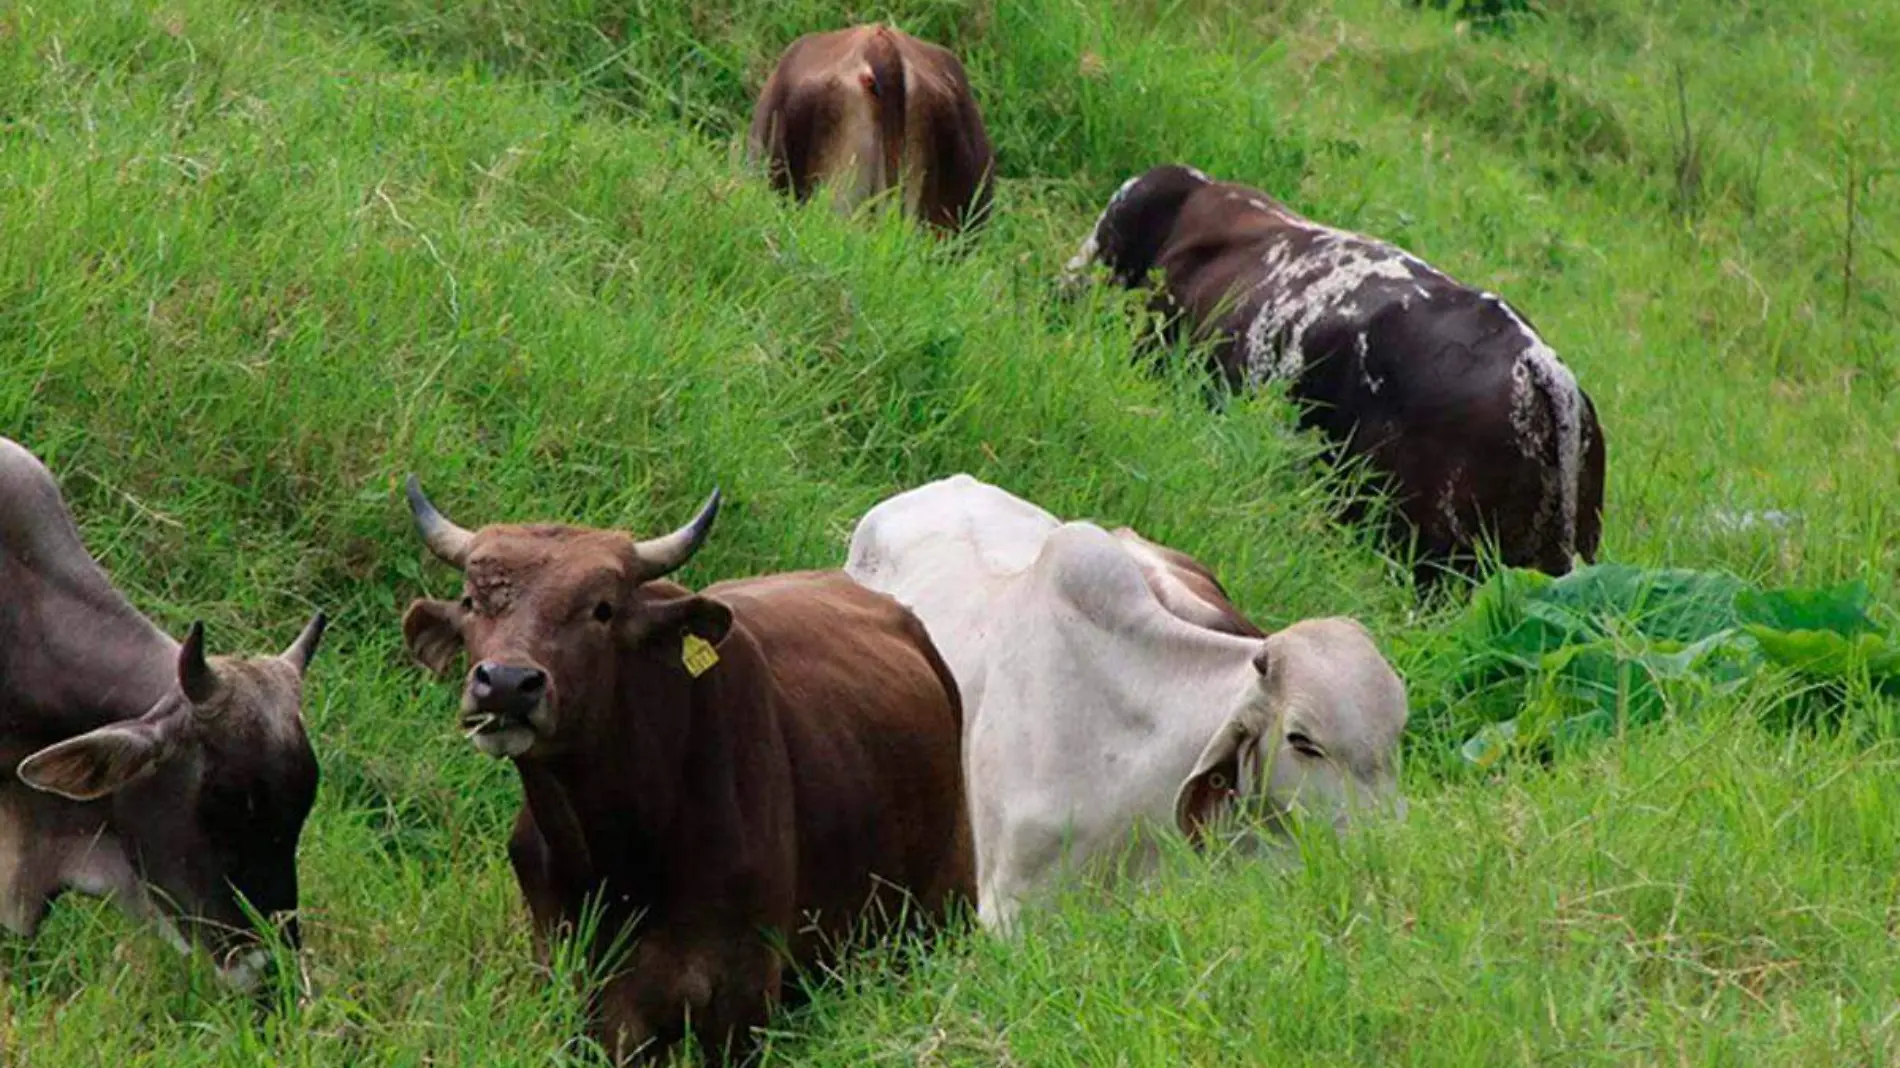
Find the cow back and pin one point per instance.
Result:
(871, 722)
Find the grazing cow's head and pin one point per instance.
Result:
(1129, 235)
(208, 793)
(1323, 738)
(546, 615)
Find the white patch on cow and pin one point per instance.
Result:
(1544, 372)
(1082, 260)
(1524, 410)
(1447, 503)
(1091, 246)
(1197, 174)
(1363, 346)
(1302, 291)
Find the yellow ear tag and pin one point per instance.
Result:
(697, 654)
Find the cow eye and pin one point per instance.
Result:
(468, 603)
(1304, 746)
(603, 612)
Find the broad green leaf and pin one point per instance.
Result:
(1840, 609)
(1825, 654)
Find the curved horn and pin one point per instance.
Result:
(305, 647)
(195, 676)
(664, 555)
(446, 540)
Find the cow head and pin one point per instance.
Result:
(549, 617)
(1321, 735)
(1137, 223)
(208, 792)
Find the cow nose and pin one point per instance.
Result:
(506, 687)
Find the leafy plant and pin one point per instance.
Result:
(1614, 646)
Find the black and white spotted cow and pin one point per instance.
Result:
(1480, 431)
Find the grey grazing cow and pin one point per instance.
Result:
(1476, 425)
(136, 768)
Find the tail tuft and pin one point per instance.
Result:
(884, 81)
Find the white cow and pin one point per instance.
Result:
(1107, 684)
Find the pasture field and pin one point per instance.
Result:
(258, 260)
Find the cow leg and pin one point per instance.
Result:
(1028, 849)
(534, 872)
(722, 988)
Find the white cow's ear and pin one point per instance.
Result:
(1210, 789)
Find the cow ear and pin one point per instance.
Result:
(1263, 661)
(702, 616)
(98, 762)
(1210, 789)
(432, 631)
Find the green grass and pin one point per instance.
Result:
(259, 261)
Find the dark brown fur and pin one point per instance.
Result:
(132, 762)
(831, 92)
(808, 782)
(1412, 374)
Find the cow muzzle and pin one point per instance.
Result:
(501, 704)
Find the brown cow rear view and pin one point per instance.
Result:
(870, 109)
(739, 776)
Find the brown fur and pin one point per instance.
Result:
(832, 94)
(808, 782)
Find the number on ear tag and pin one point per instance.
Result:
(697, 654)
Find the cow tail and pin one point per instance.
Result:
(1563, 400)
(885, 82)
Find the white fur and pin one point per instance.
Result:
(1091, 246)
(1560, 387)
(1086, 702)
(1326, 279)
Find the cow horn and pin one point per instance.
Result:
(446, 540)
(305, 647)
(194, 671)
(664, 555)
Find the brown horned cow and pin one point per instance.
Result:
(135, 767)
(737, 776)
(871, 108)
